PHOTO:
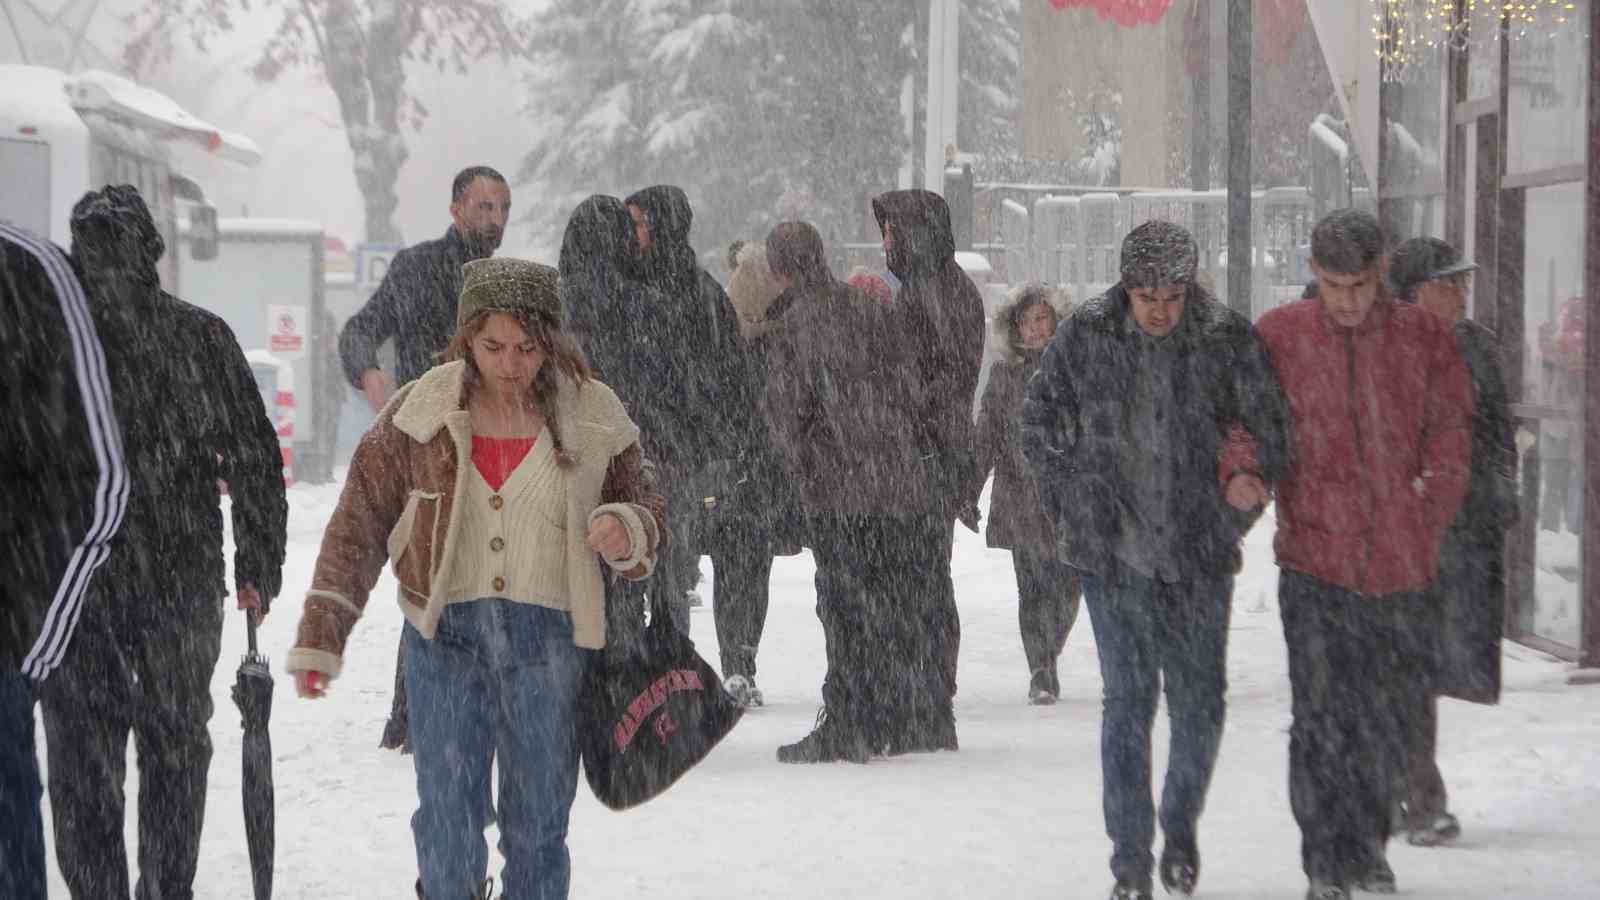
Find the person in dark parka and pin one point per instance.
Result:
(939, 313)
(66, 489)
(1125, 426)
(1469, 593)
(415, 306)
(1047, 589)
(150, 634)
(842, 400)
(695, 363)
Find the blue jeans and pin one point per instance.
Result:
(498, 680)
(21, 828)
(1149, 632)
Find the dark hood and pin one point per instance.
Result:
(115, 240)
(599, 237)
(924, 240)
(670, 258)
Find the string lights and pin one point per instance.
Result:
(1411, 32)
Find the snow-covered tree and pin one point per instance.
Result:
(362, 47)
(761, 111)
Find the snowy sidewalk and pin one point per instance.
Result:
(1016, 813)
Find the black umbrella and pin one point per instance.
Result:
(252, 693)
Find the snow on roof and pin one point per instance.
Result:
(37, 97)
(119, 98)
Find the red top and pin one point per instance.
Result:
(497, 457)
(1382, 426)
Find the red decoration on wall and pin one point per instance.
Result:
(1127, 13)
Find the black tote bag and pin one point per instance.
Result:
(648, 715)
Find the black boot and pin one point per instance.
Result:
(832, 740)
(1180, 867)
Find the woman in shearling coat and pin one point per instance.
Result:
(494, 485)
(1047, 589)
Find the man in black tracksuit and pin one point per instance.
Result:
(65, 483)
(415, 306)
(150, 634)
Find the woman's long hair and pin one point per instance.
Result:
(563, 358)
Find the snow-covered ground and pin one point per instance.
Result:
(1016, 813)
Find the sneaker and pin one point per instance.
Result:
(1180, 867)
(1039, 696)
(1443, 829)
(1378, 879)
(743, 690)
(1323, 890)
(1126, 889)
(829, 741)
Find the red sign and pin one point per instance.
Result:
(287, 336)
(1124, 12)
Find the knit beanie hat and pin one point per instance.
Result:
(503, 284)
(1158, 253)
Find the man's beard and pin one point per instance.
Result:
(482, 243)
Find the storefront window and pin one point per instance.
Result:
(1413, 131)
(1548, 123)
(1553, 381)
(1483, 61)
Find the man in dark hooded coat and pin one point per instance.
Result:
(694, 376)
(151, 630)
(939, 314)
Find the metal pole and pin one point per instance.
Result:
(1590, 420)
(1239, 249)
(933, 133)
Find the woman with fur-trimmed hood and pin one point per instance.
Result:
(494, 486)
(1047, 589)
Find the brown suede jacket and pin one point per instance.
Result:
(400, 501)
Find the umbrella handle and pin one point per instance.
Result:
(250, 622)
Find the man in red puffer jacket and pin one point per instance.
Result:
(1381, 407)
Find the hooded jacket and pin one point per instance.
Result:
(690, 354)
(191, 416)
(1017, 520)
(1382, 442)
(1075, 426)
(597, 250)
(939, 315)
(61, 465)
(415, 305)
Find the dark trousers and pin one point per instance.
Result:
(739, 600)
(946, 618)
(1425, 795)
(22, 869)
(877, 599)
(1047, 605)
(1151, 633)
(151, 678)
(1358, 672)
